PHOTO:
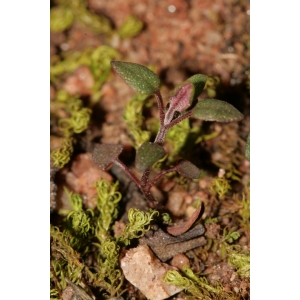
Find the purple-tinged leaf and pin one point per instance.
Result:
(188, 169)
(138, 77)
(105, 154)
(180, 100)
(147, 155)
(216, 110)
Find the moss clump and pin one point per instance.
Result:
(211, 85)
(67, 12)
(220, 186)
(243, 203)
(75, 124)
(237, 258)
(139, 224)
(62, 155)
(133, 116)
(131, 27)
(197, 285)
(86, 234)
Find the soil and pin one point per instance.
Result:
(179, 39)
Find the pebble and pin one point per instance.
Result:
(142, 269)
(179, 261)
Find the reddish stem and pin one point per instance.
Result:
(161, 108)
(128, 172)
(179, 119)
(159, 175)
(161, 135)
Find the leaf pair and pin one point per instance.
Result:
(144, 81)
(148, 154)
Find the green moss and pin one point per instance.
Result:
(80, 220)
(139, 224)
(66, 262)
(133, 117)
(107, 204)
(62, 155)
(67, 12)
(81, 230)
(100, 66)
(166, 218)
(237, 258)
(75, 124)
(87, 233)
(196, 285)
(211, 85)
(98, 60)
(130, 28)
(220, 186)
(61, 18)
(211, 220)
(244, 210)
(177, 137)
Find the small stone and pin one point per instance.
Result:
(189, 211)
(142, 269)
(80, 82)
(176, 204)
(119, 228)
(203, 183)
(188, 199)
(167, 184)
(221, 173)
(68, 293)
(179, 261)
(74, 292)
(84, 174)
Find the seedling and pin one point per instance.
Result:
(182, 104)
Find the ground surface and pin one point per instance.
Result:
(178, 39)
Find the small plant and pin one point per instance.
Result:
(182, 104)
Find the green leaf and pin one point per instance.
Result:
(198, 81)
(188, 169)
(147, 155)
(106, 154)
(216, 110)
(247, 152)
(138, 77)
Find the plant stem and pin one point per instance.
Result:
(179, 119)
(161, 108)
(162, 130)
(145, 178)
(143, 184)
(159, 175)
(161, 135)
(128, 172)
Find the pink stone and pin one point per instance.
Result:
(142, 269)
